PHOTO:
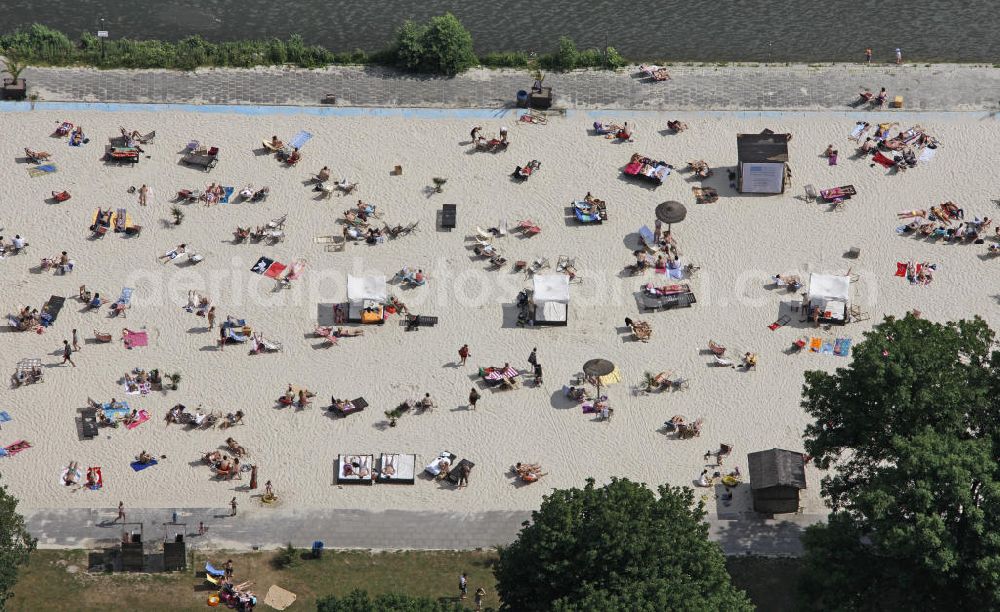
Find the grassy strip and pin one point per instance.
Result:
(51, 577)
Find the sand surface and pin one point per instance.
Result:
(739, 242)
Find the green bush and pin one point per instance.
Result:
(285, 557)
(442, 46)
(614, 58)
(565, 57)
(506, 59)
(590, 58)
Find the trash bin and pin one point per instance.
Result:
(522, 99)
(317, 549)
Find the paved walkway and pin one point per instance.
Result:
(388, 530)
(798, 87)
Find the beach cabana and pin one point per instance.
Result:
(829, 293)
(397, 468)
(355, 469)
(776, 477)
(551, 299)
(366, 297)
(763, 162)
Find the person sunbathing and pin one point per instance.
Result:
(72, 475)
(527, 468)
(247, 192)
(276, 144)
(345, 186)
(323, 175)
(294, 157)
(749, 360)
(92, 477)
(304, 396)
(881, 98)
(119, 308)
(144, 458)
(177, 251)
(347, 333)
(213, 458)
(235, 447)
(676, 126)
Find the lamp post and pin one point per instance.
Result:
(103, 35)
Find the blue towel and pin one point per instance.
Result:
(126, 296)
(46, 168)
(227, 193)
(300, 139)
(112, 413)
(138, 467)
(827, 349)
(5, 416)
(210, 570)
(843, 348)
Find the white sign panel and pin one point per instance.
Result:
(763, 178)
(102, 33)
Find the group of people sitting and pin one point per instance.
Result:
(493, 144)
(223, 465)
(676, 126)
(139, 379)
(613, 130)
(26, 376)
(16, 245)
(179, 414)
(300, 398)
(877, 101)
(27, 318)
(937, 224)
(700, 168)
(528, 472)
(63, 264)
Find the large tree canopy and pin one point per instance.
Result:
(616, 547)
(15, 544)
(911, 432)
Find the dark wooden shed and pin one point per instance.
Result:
(763, 162)
(776, 477)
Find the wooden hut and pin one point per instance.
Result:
(776, 477)
(763, 162)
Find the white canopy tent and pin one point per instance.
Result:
(365, 292)
(551, 298)
(831, 294)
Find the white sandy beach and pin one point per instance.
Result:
(739, 242)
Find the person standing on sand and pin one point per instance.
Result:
(143, 194)
(533, 357)
(67, 353)
(868, 56)
(233, 504)
(210, 315)
(121, 512)
(76, 341)
(473, 398)
(463, 476)
(463, 353)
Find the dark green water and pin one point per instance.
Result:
(713, 30)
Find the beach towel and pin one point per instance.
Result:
(142, 417)
(827, 349)
(126, 296)
(77, 472)
(278, 598)
(138, 467)
(901, 269)
(832, 160)
(100, 479)
(675, 273)
(300, 139)
(927, 154)
(133, 339)
(782, 321)
(814, 344)
(842, 347)
(16, 447)
(227, 192)
(41, 170)
(113, 413)
(262, 265)
(5, 416)
(857, 131)
(883, 160)
(589, 409)
(211, 571)
(275, 269)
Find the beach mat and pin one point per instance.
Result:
(133, 339)
(300, 139)
(142, 417)
(262, 265)
(138, 467)
(927, 155)
(5, 416)
(901, 269)
(278, 598)
(100, 479)
(842, 347)
(41, 170)
(227, 193)
(883, 161)
(113, 413)
(16, 447)
(52, 308)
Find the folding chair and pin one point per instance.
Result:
(811, 194)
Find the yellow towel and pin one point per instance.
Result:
(614, 377)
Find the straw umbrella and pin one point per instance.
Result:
(670, 212)
(596, 368)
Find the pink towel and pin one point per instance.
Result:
(142, 417)
(136, 339)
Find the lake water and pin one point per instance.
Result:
(723, 30)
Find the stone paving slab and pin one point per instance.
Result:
(944, 87)
(359, 529)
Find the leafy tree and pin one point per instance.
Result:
(359, 601)
(911, 430)
(16, 544)
(442, 46)
(616, 547)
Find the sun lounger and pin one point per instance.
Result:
(122, 155)
(838, 194)
(88, 423)
(355, 405)
(435, 467)
(705, 195)
(355, 469)
(414, 322)
(51, 309)
(449, 214)
(397, 468)
(205, 161)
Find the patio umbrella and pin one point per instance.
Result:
(670, 212)
(597, 368)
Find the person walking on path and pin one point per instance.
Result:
(76, 341)
(67, 353)
(868, 56)
(899, 56)
(463, 354)
(480, 593)
(463, 586)
(233, 504)
(121, 512)
(473, 398)
(533, 357)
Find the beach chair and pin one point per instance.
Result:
(449, 216)
(483, 235)
(567, 266)
(528, 227)
(811, 194)
(646, 237)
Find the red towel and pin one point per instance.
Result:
(275, 270)
(883, 160)
(900, 269)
